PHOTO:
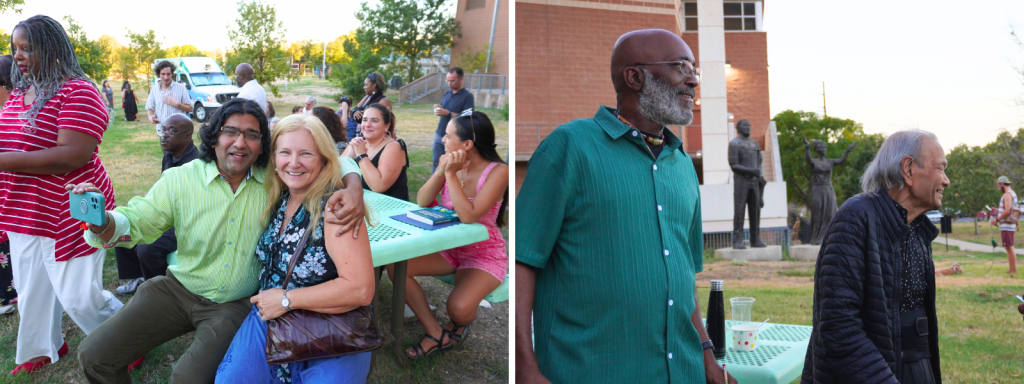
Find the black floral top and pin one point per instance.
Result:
(275, 251)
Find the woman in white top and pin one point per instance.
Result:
(1007, 230)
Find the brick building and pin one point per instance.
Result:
(563, 50)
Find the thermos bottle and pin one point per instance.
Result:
(716, 318)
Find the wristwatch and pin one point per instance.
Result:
(360, 157)
(285, 302)
(707, 345)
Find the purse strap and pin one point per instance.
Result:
(295, 258)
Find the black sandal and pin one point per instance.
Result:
(420, 353)
(456, 338)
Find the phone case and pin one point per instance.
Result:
(89, 207)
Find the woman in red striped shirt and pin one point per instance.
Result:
(50, 132)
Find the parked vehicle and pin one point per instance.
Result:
(934, 215)
(208, 86)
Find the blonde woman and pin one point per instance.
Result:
(335, 274)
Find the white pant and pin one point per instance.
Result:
(46, 288)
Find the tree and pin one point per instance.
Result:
(5, 36)
(185, 51)
(409, 28)
(971, 182)
(258, 41)
(360, 59)
(837, 134)
(92, 55)
(1006, 155)
(143, 50)
(472, 60)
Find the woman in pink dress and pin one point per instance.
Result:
(472, 180)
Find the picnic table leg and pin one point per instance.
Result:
(398, 311)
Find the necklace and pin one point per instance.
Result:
(462, 180)
(655, 141)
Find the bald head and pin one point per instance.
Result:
(179, 121)
(177, 134)
(243, 73)
(645, 46)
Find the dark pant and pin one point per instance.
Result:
(146, 260)
(161, 310)
(746, 192)
(438, 151)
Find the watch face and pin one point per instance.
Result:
(284, 301)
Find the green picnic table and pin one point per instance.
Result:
(778, 358)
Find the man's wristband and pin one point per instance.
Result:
(707, 345)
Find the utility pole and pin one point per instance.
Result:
(823, 104)
(323, 66)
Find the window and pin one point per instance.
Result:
(475, 4)
(738, 16)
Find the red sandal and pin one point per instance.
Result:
(136, 364)
(29, 367)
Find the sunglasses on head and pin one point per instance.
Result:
(469, 112)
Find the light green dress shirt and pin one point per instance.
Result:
(616, 235)
(217, 230)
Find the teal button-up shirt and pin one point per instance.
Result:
(617, 237)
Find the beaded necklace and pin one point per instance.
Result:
(655, 141)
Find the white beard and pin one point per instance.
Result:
(659, 102)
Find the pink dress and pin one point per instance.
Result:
(488, 255)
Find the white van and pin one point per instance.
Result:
(207, 85)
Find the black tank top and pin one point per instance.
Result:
(400, 189)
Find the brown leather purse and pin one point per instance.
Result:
(301, 334)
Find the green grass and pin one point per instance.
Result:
(131, 154)
(986, 233)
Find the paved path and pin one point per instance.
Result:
(969, 246)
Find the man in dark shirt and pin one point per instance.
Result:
(455, 101)
(146, 261)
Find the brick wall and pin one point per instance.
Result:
(476, 32)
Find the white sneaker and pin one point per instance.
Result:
(130, 287)
(7, 309)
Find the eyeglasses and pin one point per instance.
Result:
(232, 133)
(469, 112)
(684, 67)
(162, 133)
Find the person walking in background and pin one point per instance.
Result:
(455, 101)
(374, 86)
(8, 295)
(609, 236)
(169, 97)
(146, 261)
(109, 94)
(1007, 203)
(874, 281)
(473, 181)
(129, 102)
(49, 135)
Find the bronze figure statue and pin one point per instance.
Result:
(748, 185)
(822, 195)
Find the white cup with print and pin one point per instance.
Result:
(744, 337)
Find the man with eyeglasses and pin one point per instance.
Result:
(216, 206)
(146, 261)
(610, 213)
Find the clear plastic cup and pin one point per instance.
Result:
(741, 308)
(744, 337)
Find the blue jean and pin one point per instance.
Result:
(352, 129)
(438, 151)
(246, 361)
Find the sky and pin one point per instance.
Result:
(941, 66)
(203, 24)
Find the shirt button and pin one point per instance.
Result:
(670, 355)
(229, 243)
(232, 220)
(634, 133)
(222, 288)
(670, 302)
(659, 207)
(666, 252)
(655, 167)
(225, 265)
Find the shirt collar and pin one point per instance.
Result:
(255, 171)
(616, 129)
(188, 151)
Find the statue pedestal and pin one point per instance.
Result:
(806, 252)
(769, 253)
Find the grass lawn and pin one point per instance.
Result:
(131, 153)
(986, 232)
(980, 331)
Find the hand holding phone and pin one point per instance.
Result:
(87, 204)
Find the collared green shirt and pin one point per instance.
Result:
(217, 229)
(616, 235)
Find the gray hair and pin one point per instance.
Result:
(55, 60)
(885, 170)
(311, 98)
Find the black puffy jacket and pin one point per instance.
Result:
(857, 292)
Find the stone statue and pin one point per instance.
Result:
(822, 195)
(748, 185)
